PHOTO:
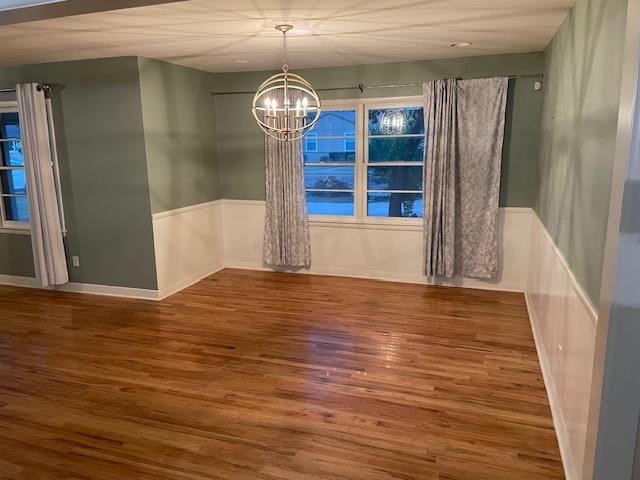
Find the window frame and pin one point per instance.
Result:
(360, 217)
(11, 226)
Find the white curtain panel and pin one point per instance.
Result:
(46, 233)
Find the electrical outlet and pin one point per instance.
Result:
(76, 261)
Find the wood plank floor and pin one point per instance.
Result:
(255, 375)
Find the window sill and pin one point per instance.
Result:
(15, 231)
(373, 224)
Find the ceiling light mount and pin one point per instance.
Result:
(284, 28)
(286, 106)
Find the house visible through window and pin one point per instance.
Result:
(329, 172)
(378, 175)
(311, 142)
(14, 208)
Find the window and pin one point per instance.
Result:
(14, 206)
(311, 142)
(368, 161)
(329, 170)
(394, 161)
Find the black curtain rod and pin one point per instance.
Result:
(41, 86)
(362, 86)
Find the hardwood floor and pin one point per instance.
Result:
(255, 375)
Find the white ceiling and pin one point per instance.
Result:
(223, 35)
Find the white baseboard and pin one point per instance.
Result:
(188, 281)
(88, 288)
(110, 291)
(383, 276)
(19, 281)
(554, 401)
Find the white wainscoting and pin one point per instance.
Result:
(379, 251)
(188, 245)
(563, 321)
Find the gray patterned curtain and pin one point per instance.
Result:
(286, 229)
(465, 132)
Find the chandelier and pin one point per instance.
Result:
(285, 106)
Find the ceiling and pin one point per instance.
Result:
(223, 35)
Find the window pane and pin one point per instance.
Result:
(16, 209)
(396, 121)
(13, 182)
(12, 154)
(403, 149)
(394, 178)
(394, 205)
(330, 203)
(9, 125)
(334, 123)
(335, 178)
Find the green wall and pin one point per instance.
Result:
(583, 67)
(15, 255)
(98, 119)
(138, 136)
(180, 132)
(240, 143)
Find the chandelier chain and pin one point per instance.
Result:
(285, 59)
